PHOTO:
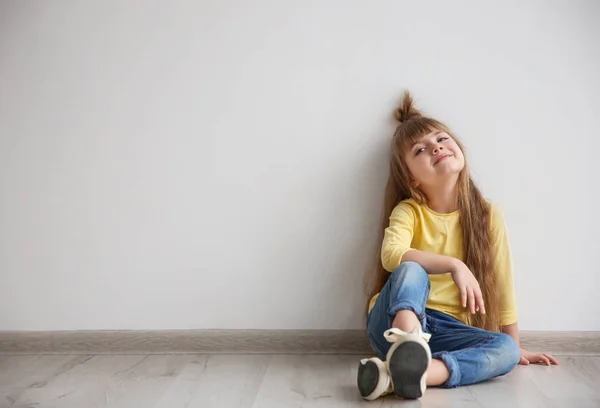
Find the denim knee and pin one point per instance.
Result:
(410, 273)
(511, 351)
(409, 287)
(504, 355)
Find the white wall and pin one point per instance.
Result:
(221, 164)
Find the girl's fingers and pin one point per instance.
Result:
(524, 361)
(545, 360)
(538, 358)
(471, 300)
(552, 359)
(463, 297)
(479, 300)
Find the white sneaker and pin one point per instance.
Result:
(407, 362)
(373, 379)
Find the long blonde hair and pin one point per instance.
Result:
(474, 211)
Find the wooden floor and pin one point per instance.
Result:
(269, 381)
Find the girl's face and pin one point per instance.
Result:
(434, 159)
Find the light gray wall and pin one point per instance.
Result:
(221, 164)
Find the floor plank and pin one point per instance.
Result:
(18, 374)
(515, 390)
(89, 384)
(575, 382)
(223, 381)
(309, 381)
(267, 381)
(144, 384)
(111, 381)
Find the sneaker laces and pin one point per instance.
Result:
(391, 335)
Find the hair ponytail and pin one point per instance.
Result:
(406, 110)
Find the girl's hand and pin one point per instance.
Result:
(470, 292)
(528, 357)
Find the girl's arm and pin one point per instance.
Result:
(508, 308)
(513, 331)
(396, 248)
(470, 291)
(432, 263)
(502, 259)
(527, 356)
(397, 240)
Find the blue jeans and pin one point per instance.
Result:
(471, 354)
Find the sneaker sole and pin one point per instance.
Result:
(407, 364)
(369, 380)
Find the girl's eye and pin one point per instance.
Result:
(421, 150)
(441, 139)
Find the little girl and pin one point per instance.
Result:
(446, 315)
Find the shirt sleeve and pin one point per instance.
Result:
(397, 236)
(502, 258)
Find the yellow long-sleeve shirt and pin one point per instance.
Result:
(416, 226)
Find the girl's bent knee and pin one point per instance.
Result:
(409, 289)
(507, 354)
(513, 351)
(410, 273)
